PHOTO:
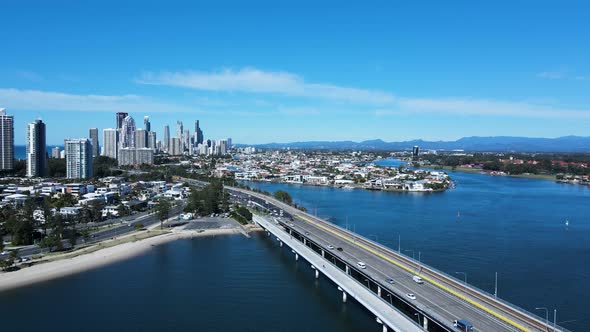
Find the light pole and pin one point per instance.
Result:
(465, 275)
(413, 257)
(546, 317)
(399, 243)
(496, 287)
(554, 319)
(418, 315)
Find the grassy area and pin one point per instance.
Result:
(90, 248)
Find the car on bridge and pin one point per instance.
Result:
(411, 296)
(463, 325)
(331, 247)
(391, 281)
(361, 265)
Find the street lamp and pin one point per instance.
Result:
(418, 315)
(413, 257)
(546, 317)
(465, 275)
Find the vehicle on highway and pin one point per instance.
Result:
(361, 265)
(391, 280)
(331, 247)
(463, 325)
(306, 233)
(339, 249)
(418, 280)
(411, 296)
(291, 224)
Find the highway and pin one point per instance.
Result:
(440, 297)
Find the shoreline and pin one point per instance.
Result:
(45, 270)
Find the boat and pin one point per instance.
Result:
(567, 223)
(348, 187)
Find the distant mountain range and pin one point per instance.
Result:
(475, 143)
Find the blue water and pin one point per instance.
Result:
(512, 226)
(20, 151)
(507, 225)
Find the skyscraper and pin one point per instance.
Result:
(167, 138)
(146, 123)
(199, 133)
(152, 141)
(93, 135)
(415, 151)
(78, 158)
(36, 149)
(128, 133)
(110, 141)
(179, 129)
(141, 138)
(6, 140)
(120, 117)
(55, 152)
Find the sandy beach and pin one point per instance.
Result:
(43, 271)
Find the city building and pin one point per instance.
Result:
(223, 147)
(110, 142)
(152, 143)
(415, 151)
(135, 156)
(127, 139)
(166, 141)
(93, 135)
(55, 152)
(146, 123)
(179, 129)
(198, 133)
(78, 158)
(6, 140)
(36, 149)
(120, 117)
(141, 138)
(175, 147)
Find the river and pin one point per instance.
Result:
(512, 226)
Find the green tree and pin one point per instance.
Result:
(162, 211)
(283, 196)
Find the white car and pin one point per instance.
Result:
(331, 247)
(411, 296)
(361, 265)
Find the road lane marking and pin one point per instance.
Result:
(430, 280)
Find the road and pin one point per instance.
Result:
(440, 296)
(127, 225)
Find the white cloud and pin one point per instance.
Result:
(57, 101)
(551, 75)
(253, 80)
(471, 106)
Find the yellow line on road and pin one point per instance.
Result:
(436, 283)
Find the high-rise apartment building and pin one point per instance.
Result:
(110, 142)
(93, 135)
(55, 152)
(146, 124)
(120, 117)
(36, 149)
(198, 133)
(78, 158)
(128, 133)
(152, 141)
(6, 140)
(141, 138)
(175, 147)
(179, 129)
(135, 156)
(166, 141)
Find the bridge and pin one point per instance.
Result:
(382, 283)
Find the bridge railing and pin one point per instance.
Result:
(453, 278)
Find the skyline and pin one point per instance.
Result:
(274, 73)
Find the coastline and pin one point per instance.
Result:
(479, 171)
(48, 269)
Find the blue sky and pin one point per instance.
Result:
(281, 71)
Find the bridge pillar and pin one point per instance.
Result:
(344, 296)
(317, 274)
(347, 270)
(281, 243)
(425, 323)
(379, 291)
(323, 253)
(384, 328)
(304, 241)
